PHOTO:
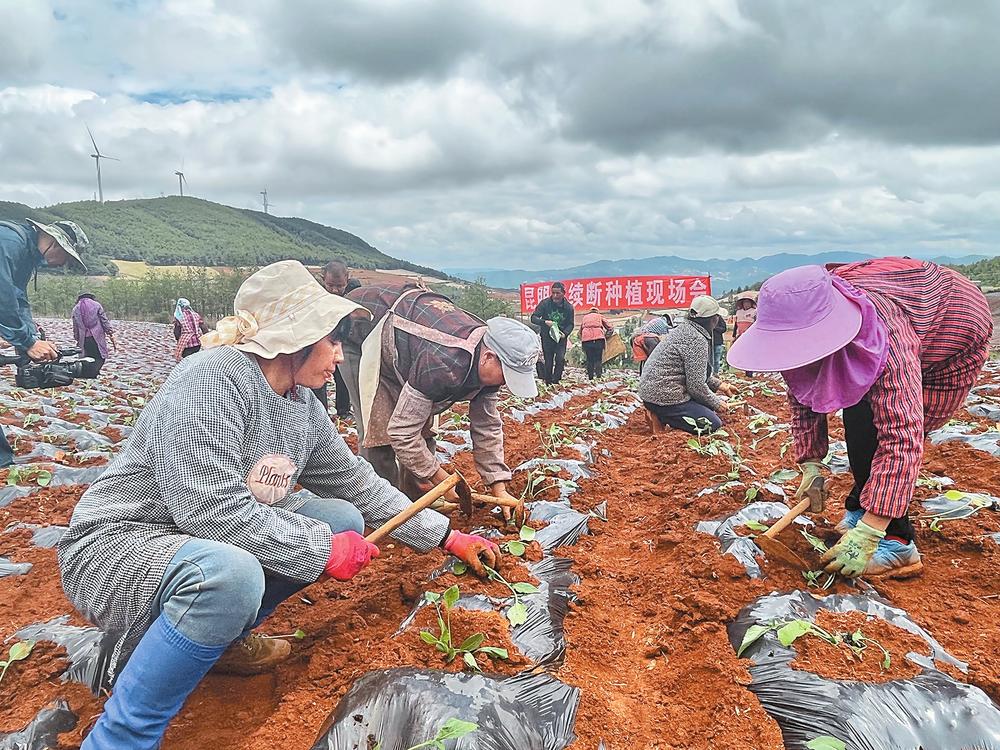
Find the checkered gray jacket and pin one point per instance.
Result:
(677, 370)
(182, 473)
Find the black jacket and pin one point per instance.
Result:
(561, 312)
(719, 332)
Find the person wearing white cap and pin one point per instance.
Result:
(421, 355)
(675, 383)
(192, 535)
(24, 248)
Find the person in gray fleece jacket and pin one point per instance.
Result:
(675, 384)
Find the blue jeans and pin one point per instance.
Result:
(6, 454)
(213, 592)
(675, 414)
(717, 353)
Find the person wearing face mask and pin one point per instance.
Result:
(676, 384)
(554, 316)
(24, 248)
(896, 344)
(192, 537)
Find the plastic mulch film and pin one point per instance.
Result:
(577, 469)
(931, 710)
(989, 411)
(742, 547)
(88, 649)
(42, 732)
(8, 568)
(560, 399)
(988, 441)
(564, 525)
(11, 493)
(400, 708)
(959, 504)
(837, 459)
(41, 536)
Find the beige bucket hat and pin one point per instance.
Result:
(281, 309)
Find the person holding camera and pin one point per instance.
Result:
(24, 248)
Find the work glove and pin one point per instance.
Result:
(851, 554)
(473, 550)
(811, 472)
(350, 553)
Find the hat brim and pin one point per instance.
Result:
(762, 350)
(521, 384)
(302, 328)
(59, 241)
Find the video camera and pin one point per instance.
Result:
(47, 374)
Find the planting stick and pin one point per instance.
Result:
(422, 503)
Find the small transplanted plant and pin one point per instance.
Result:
(972, 504)
(552, 438)
(518, 546)
(789, 631)
(517, 613)
(452, 729)
(470, 648)
(18, 652)
(27, 475)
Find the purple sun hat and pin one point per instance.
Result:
(801, 318)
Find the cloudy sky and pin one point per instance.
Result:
(480, 133)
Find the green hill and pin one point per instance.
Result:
(987, 271)
(191, 231)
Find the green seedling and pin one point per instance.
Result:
(28, 474)
(518, 547)
(553, 438)
(517, 613)
(813, 579)
(442, 641)
(452, 729)
(539, 480)
(31, 419)
(297, 635)
(791, 630)
(756, 526)
(815, 542)
(18, 652)
(973, 504)
(826, 742)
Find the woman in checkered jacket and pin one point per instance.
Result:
(191, 536)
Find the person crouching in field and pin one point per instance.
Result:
(188, 328)
(191, 537)
(675, 383)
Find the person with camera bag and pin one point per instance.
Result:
(24, 248)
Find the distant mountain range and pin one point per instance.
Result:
(191, 231)
(727, 274)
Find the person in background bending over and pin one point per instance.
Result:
(594, 330)
(92, 331)
(188, 327)
(897, 344)
(337, 280)
(554, 316)
(675, 383)
(645, 339)
(24, 248)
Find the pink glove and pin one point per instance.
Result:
(349, 554)
(469, 547)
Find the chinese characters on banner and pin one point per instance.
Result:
(622, 292)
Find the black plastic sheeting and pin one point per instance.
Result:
(931, 710)
(742, 547)
(41, 536)
(404, 707)
(88, 649)
(950, 510)
(42, 733)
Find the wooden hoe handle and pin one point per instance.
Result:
(490, 500)
(786, 519)
(422, 503)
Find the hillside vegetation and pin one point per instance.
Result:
(191, 231)
(987, 272)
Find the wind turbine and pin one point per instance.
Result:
(97, 156)
(181, 179)
(263, 194)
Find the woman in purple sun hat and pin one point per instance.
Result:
(897, 344)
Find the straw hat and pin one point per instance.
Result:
(281, 309)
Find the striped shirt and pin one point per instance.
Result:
(939, 327)
(184, 473)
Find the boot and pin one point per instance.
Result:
(894, 558)
(253, 654)
(162, 671)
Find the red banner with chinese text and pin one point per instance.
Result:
(622, 292)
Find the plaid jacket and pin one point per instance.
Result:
(939, 327)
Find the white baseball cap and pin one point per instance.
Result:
(517, 346)
(705, 306)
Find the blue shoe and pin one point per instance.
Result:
(895, 559)
(850, 520)
(162, 671)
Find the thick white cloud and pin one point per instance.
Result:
(488, 134)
